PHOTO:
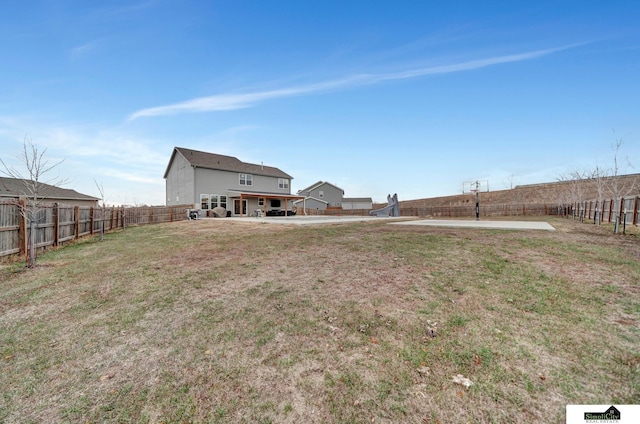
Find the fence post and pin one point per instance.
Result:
(22, 231)
(150, 215)
(76, 211)
(91, 211)
(635, 211)
(621, 215)
(56, 224)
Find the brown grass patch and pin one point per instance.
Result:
(221, 321)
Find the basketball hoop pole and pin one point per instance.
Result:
(477, 205)
(477, 190)
(474, 187)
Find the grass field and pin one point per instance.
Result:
(231, 322)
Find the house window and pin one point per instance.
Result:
(283, 183)
(275, 203)
(260, 201)
(217, 200)
(246, 179)
(321, 194)
(204, 201)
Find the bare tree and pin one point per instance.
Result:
(610, 183)
(598, 179)
(34, 184)
(617, 187)
(574, 190)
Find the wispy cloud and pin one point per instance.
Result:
(83, 50)
(126, 10)
(221, 102)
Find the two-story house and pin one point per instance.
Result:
(322, 195)
(209, 180)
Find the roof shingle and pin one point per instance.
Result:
(224, 163)
(14, 187)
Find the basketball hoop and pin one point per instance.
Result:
(474, 187)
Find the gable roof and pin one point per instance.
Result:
(15, 187)
(312, 198)
(318, 184)
(199, 159)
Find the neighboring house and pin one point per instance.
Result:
(208, 180)
(357, 203)
(12, 189)
(321, 195)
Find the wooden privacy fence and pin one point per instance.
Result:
(608, 209)
(458, 211)
(626, 209)
(468, 211)
(56, 224)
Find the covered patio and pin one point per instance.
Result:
(253, 203)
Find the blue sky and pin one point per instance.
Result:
(377, 97)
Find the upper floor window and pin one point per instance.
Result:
(283, 183)
(246, 179)
(321, 194)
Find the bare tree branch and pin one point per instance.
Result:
(34, 191)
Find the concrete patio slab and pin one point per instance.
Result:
(312, 219)
(499, 225)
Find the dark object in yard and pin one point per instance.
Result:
(193, 214)
(280, 212)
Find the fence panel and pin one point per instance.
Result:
(66, 223)
(606, 210)
(56, 224)
(9, 229)
(44, 226)
(628, 207)
(84, 221)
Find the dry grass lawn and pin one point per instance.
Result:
(232, 322)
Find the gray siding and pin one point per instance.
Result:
(312, 204)
(332, 195)
(186, 182)
(211, 181)
(180, 183)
